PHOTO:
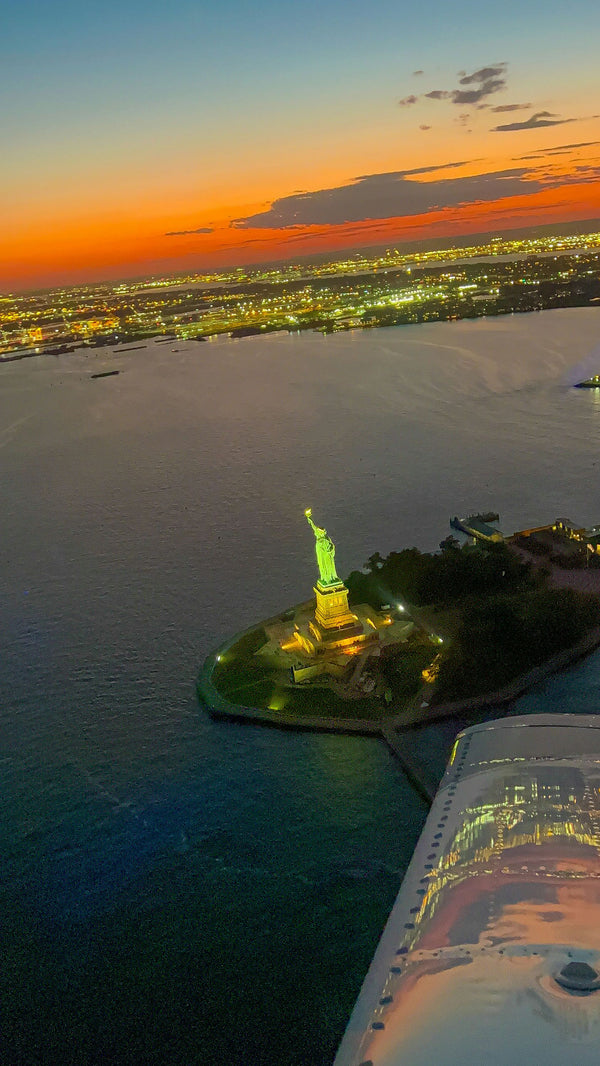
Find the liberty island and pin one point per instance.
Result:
(418, 637)
(312, 664)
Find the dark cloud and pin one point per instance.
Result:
(486, 81)
(534, 122)
(378, 196)
(408, 100)
(510, 107)
(583, 175)
(484, 74)
(417, 72)
(472, 96)
(187, 232)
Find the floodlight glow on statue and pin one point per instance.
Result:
(334, 623)
(325, 549)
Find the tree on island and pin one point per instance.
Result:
(449, 543)
(507, 619)
(442, 578)
(504, 636)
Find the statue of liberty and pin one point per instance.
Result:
(325, 549)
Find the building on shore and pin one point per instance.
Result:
(562, 537)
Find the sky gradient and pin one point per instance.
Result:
(147, 138)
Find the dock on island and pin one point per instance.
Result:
(478, 526)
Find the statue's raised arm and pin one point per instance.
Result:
(325, 549)
(317, 532)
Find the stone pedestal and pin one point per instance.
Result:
(334, 622)
(332, 611)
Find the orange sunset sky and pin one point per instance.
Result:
(142, 139)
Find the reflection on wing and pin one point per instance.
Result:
(492, 951)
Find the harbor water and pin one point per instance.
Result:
(177, 890)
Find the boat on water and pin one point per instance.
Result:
(106, 374)
(589, 383)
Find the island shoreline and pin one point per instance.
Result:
(388, 729)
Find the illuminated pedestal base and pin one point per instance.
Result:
(314, 653)
(332, 609)
(334, 624)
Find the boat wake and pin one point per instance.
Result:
(585, 369)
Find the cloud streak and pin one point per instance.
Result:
(510, 107)
(188, 232)
(534, 122)
(419, 170)
(558, 149)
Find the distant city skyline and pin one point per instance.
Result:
(144, 139)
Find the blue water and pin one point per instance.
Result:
(175, 890)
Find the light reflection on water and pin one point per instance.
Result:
(148, 516)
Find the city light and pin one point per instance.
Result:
(352, 292)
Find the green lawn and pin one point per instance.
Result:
(252, 684)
